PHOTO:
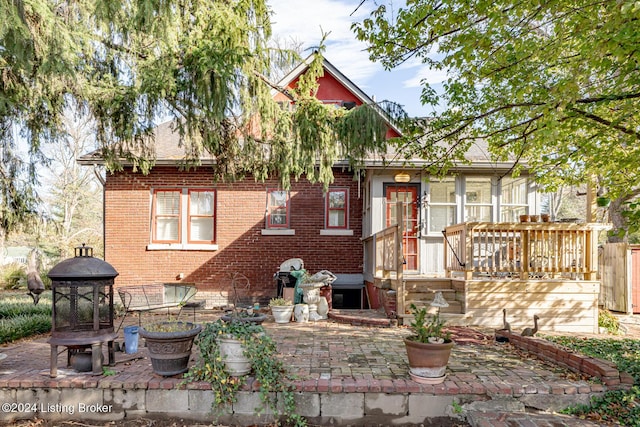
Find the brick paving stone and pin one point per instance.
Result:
(327, 356)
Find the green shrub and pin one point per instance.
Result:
(15, 309)
(22, 326)
(13, 276)
(614, 407)
(608, 321)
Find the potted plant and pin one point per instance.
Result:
(429, 347)
(256, 354)
(239, 313)
(169, 344)
(603, 201)
(282, 309)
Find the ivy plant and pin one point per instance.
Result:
(268, 370)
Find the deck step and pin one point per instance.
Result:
(455, 307)
(422, 284)
(450, 319)
(448, 294)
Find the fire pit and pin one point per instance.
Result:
(82, 289)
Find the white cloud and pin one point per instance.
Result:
(425, 73)
(307, 22)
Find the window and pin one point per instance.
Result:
(337, 208)
(478, 204)
(442, 204)
(166, 216)
(201, 216)
(183, 219)
(277, 209)
(513, 201)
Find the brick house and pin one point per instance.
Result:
(174, 226)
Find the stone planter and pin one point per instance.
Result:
(428, 361)
(256, 318)
(170, 350)
(282, 313)
(232, 352)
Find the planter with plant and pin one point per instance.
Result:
(429, 348)
(217, 366)
(238, 312)
(282, 309)
(169, 344)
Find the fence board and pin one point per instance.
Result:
(615, 294)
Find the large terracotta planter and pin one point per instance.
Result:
(170, 351)
(428, 361)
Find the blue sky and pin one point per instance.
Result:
(306, 21)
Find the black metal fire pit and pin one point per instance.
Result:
(82, 289)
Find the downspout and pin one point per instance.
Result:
(104, 234)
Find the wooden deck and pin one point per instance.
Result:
(548, 269)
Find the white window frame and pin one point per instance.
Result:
(431, 204)
(520, 208)
(491, 204)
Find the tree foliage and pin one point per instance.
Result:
(555, 83)
(203, 64)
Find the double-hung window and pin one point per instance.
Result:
(442, 205)
(183, 219)
(201, 223)
(166, 216)
(478, 199)
(513, 202)
(277, 209)
(337, 209)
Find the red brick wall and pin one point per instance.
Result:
(240, 219)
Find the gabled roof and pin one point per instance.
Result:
(167, 147)
(289, 80)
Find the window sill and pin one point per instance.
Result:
(329, 232)
(278, 232)
(181, 247)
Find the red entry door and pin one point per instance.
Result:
(405, 197)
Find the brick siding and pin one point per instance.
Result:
(240, 210)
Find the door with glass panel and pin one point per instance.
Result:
(405, 197)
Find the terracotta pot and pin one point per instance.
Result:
(525, 218)
(428, 360)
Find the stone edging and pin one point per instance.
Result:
(547, 351)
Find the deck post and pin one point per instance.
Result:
(400, 296)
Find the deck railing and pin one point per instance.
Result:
(524, 250)
(381, 253)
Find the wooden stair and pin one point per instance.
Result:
(421, 291)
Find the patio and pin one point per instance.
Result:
(346, 374)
